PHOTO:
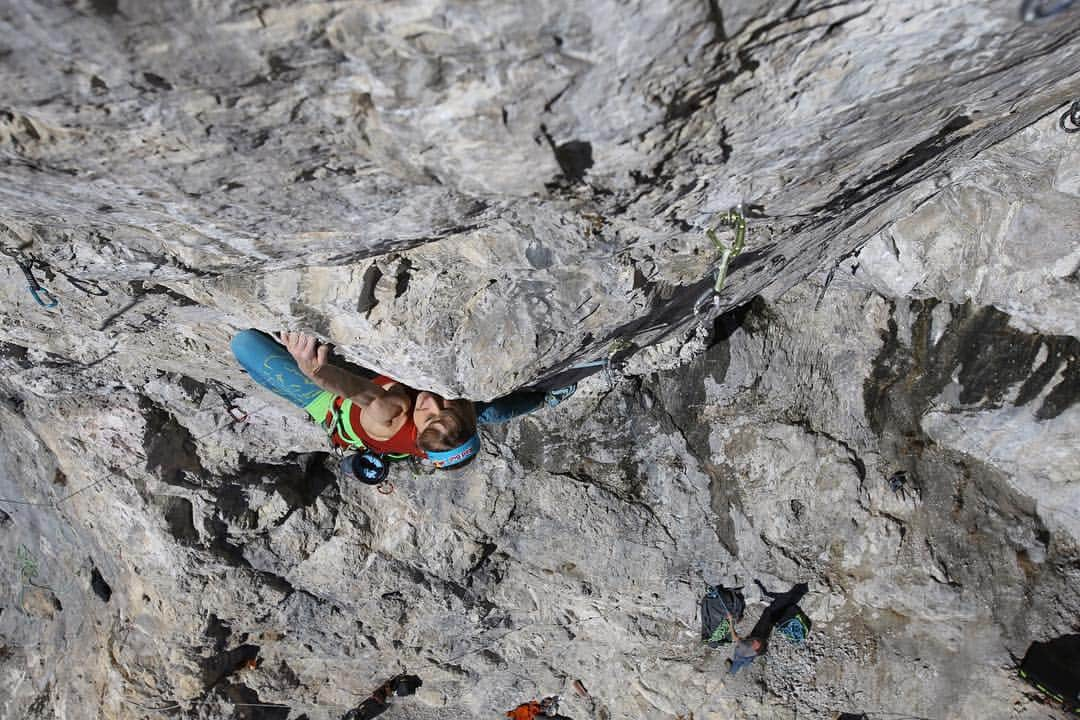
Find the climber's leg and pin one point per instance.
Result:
(519, 403)
(270, 365)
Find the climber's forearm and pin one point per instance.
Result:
(346, 384)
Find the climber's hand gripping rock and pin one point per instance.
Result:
(305, 349)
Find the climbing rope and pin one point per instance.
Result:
(606, 364)
(1033, 10)
(89, 287)
(1071, 116)
(736, 219)
(794, 630)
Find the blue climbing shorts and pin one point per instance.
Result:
(271, 365)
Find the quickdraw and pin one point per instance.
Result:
(736, 219)
(26, 263)
(43, 297)
(1071, 116)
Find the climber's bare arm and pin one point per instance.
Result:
(731, 625)
(312, 360)
(384, 415)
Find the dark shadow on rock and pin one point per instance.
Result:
(179, 518)
(969, 509)
(223, 664)
(380, 700)
(99, 586)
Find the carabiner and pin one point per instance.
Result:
(709, 301)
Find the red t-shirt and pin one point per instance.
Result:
(403, 441)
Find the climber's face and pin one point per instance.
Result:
(427, 410)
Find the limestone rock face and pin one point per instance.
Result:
(471, 197)
(545, 174)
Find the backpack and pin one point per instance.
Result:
(794, 625)
(717, 604)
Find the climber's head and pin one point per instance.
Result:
(445, 429)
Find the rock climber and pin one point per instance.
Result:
(377, 414)
(757, 642)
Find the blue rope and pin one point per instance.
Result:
(794, 630)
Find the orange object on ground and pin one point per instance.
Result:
(526, 711)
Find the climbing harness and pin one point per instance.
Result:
(721, 634)
(332, 427)
(736, 219)
(1033, 10)
(26, 263)
(1071, 117)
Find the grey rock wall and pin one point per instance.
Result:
(547, 172)
(471, 196)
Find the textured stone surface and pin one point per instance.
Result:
(1002, 232)
(470, 195)
(553, 168)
